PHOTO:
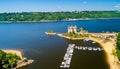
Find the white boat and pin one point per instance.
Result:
(86, 39)
(93, 42)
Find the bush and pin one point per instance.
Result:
(118, 46)
(50, 31)
(8, 60)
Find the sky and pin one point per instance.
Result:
(57, 5)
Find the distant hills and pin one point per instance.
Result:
(57, 16)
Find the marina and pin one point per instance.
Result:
(88, 48)
(69, 53)
(68, 56)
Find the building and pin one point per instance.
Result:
(72, 29)
(83, 31)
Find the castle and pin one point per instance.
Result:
(73, 29)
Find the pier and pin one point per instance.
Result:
(68, 56)
(69, 53)
(106, 40)
(88, 48)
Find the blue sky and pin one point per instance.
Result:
(57, 5)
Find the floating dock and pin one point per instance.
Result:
(88, 48)
(68, 56)
(69, 53)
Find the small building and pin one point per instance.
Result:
(73, 29)
(82, 31)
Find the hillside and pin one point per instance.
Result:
(57, 16)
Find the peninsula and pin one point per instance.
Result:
(106, 40)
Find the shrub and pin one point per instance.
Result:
(8, 60)
(118, 46)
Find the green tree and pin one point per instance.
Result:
(118, 46)
(8, 60)
(39, 16)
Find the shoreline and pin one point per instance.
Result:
(8, 22)
(23, 60)
(70, 38)
(109, 48)
(50, 33)
(17, 52)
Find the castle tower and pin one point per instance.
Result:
(72, 29)
(75, 29)
(69, 29)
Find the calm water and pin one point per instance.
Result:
(48, 51)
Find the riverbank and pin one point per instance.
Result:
(70, 38)
(110, 50)
(17, 52)
(109, 46)
(23, 61)
(56, 20)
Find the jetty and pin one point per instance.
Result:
(69, 53)
(68, 56)
(88, 48)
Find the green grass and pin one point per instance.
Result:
(76, 35)
(50, 31)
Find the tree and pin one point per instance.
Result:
(39, 16)
(8, 60)
(118, 46)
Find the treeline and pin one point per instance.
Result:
(57, 16)
(8, 60)
(118, 46)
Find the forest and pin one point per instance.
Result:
(57, 16)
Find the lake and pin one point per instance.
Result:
(48, 51)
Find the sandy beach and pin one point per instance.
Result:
(21, 62)
(17, 52)
(109, 48)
